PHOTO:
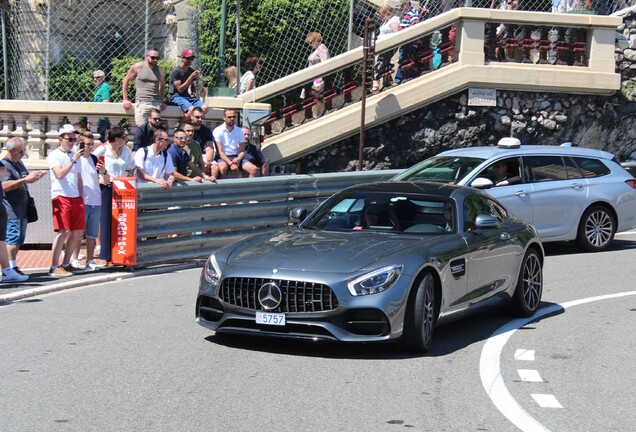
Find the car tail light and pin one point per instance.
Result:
(631, 183)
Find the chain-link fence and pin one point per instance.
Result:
(50, 48)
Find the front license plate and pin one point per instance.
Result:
(270, 318)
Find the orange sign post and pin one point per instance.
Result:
(124, 229)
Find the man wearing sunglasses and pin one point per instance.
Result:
(16, 196)
(150, 86)
(66, 199)
(181, 160)
(145, 134)
(183, 85)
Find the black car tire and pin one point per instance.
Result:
(420, 317)
(596, 229)
(527, 296)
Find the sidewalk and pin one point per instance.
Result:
(40, 259)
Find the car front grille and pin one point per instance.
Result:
(298, 296)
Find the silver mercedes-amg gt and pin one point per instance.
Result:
(375, 262)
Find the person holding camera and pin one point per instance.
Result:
(66, 199)
(16, 197)
(183, 85)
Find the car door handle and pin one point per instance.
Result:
(577, 186)
(504, 236)
(521, 193)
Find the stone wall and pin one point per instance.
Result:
(607, 123)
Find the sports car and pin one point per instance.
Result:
(385, 261)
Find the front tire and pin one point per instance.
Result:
(527, 296)
(420, 317)
(596, 229)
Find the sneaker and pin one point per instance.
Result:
(10, 275)
(59, 272)
(18, 271)
(81, 256)
(71, 268)
(76, 264)
(92, 266)
(98, 249)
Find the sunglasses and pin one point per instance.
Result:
(154, 57)
(230, 117)
(197, 117)
(156, 118)
(182, 138)
(189, 58)
(70, 139)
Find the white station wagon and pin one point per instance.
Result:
(567, 193)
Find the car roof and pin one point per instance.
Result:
(488, 152)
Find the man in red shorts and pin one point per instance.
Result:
(68, 205)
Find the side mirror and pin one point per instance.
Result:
(482, 183)
(486, 221)
(297, 215)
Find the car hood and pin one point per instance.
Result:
(319, 251)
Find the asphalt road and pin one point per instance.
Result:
(127, 356)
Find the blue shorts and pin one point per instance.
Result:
(16, 231)
(186, 102)
(92, 220)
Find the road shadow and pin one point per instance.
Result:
(570, 248)
(448, 339)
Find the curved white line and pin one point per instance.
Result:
(489, 363)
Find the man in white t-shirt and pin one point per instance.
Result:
(90, 168)
(230, 143)
(66, 199)
(153, 162)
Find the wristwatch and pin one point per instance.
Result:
(73, 161)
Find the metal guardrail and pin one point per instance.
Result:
(191, 220)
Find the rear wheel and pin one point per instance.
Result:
(527, 296)
(596, 229)
(420, 317)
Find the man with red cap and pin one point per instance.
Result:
(183, 85)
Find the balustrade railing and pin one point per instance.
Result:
(543, 39)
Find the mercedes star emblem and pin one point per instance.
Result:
(270, 296)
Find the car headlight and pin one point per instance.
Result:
(376, 281)
(211, 271)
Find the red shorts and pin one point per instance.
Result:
(68, 213)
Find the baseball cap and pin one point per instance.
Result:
(98, 73)
(67, 128)
(186, 53)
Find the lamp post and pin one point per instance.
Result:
(220, 89)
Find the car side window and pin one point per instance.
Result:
(591, 167)
(504, 172)
(573, 171)
(498, 211)
(475, 205)
(545, 168)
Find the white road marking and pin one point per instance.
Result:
(489, 363)
(546, 400)
(524, 355)
(529, 375)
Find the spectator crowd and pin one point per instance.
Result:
(82, 167)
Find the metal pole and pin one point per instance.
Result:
(221, 70)
(366, 47)
(4, 56)
(350, 31)
(146, 28)
(238, 46)
(48, 52)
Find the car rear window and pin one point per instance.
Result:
(591, 167)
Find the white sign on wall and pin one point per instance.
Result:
(482, 97)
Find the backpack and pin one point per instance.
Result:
(163, 152)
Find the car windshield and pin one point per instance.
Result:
(441, 169)
(383, 211)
